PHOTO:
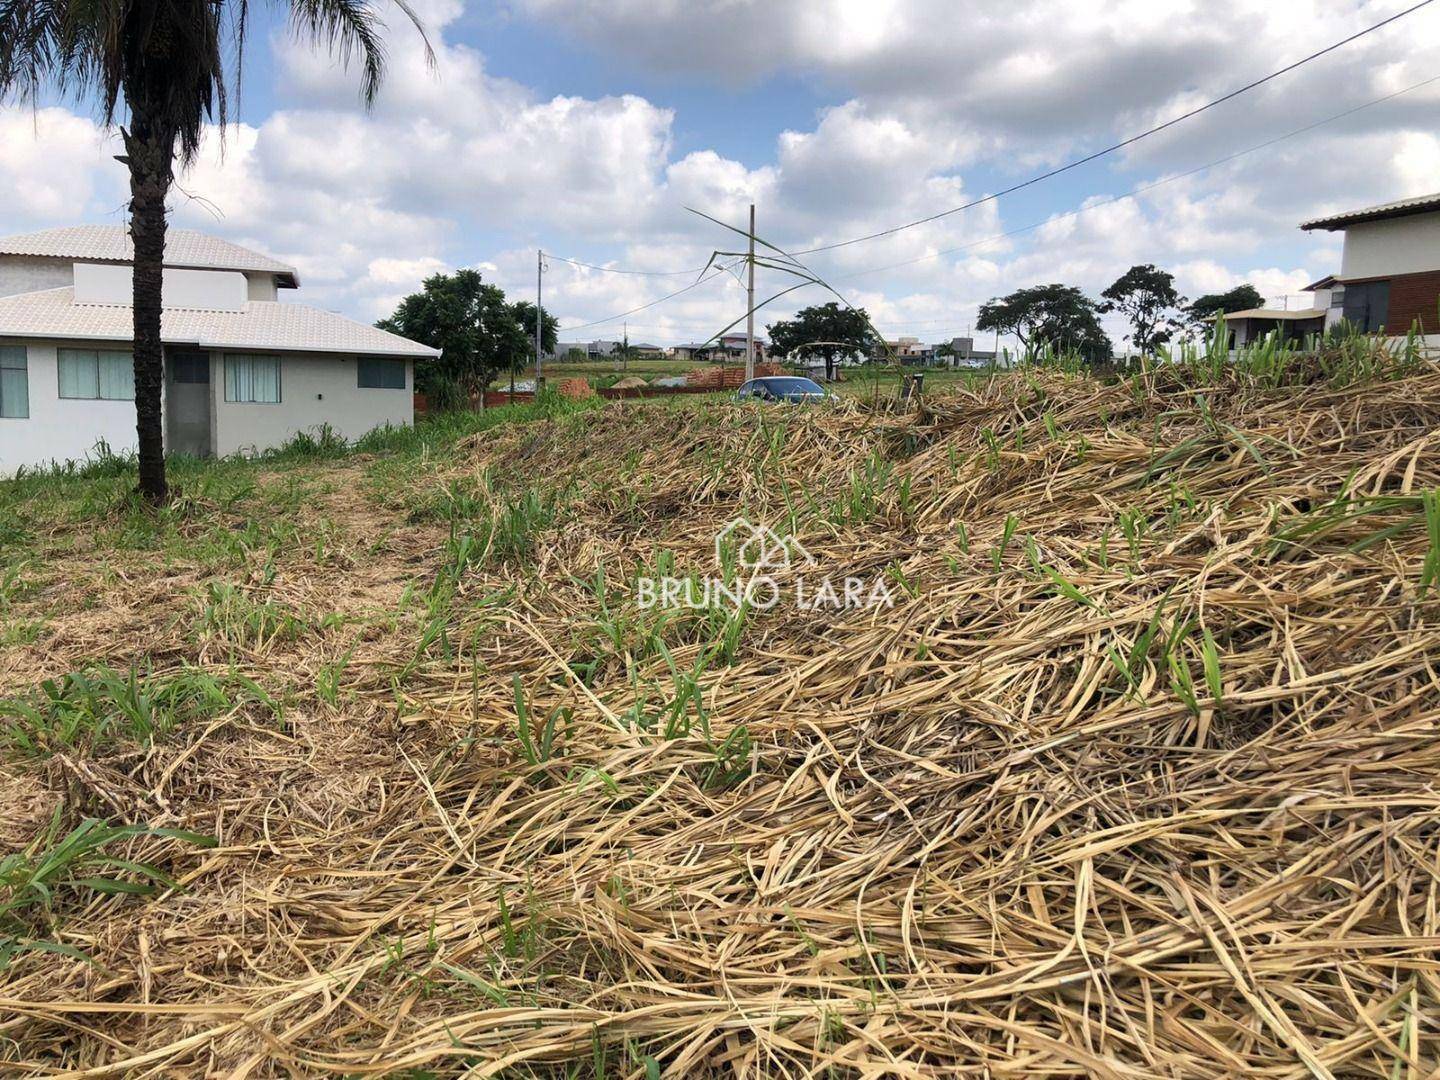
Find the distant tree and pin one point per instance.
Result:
(478, 334)
(1146, 297)
(550, 330)
(828, 331)
(1057, 315)
(1241, 298)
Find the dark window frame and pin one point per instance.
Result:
(9, 364)
(1367, 304)
(382, 371)
(183, 367)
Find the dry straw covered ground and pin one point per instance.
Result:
(1136, 777)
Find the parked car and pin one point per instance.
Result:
(790, 389)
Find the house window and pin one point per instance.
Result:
(252, 378)
(14, 383)
(190, 368)
(1367, 304)
(97, 374)
(372, 373)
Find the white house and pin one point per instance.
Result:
(1389, 268)
(1250, 325)
(244, 371)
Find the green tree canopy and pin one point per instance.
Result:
(550, 328)
(1057, 315)
(1145, 295)
(1241, 298)
(478, 332)
(829, 331)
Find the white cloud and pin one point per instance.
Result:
(54, 163)
(455, 166)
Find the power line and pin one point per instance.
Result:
(720, 271)
(1142, 189)
(1123, 143)
(1133, 193)
(1115, 199)
(618, 270)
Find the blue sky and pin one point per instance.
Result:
(585, 128)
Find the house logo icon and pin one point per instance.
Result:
(759, 547)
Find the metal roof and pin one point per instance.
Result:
(260, 325)
(111, 243)
(1278, 314)
(1420, 204)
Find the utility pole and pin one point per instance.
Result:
(750, 305)
(539, 321)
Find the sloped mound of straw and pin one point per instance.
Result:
(1006, 827)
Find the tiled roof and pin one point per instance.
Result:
(261, 324)
(1421, 204)
(111, 243)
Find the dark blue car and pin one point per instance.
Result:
(792, 389)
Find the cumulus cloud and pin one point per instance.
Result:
(933, 106)
(54, 164)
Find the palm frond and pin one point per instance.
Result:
(349, 28)
(169, 66)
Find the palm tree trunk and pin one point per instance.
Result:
(149, 153)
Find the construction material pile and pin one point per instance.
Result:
(717, 377)
(1133, 775)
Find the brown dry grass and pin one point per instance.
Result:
(963, 842)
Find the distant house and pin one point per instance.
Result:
(728, 349)
(904, 349)
(242, 371)
(956, 353)
(1250, 325)
(598, 350)
(732, 347)
(1389, 275)
(692, 351)
(960, 352)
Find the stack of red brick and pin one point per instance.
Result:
(725, 378)
(575, 388)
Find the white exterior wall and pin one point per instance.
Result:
(25, 273)
(29, 273)
(60, 429)
(1408, 245)
(314, 390)
(113, 283)
(260, 286)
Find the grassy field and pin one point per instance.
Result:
(860, 381)
(856, 380)
(365, 761)
(604, 372)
